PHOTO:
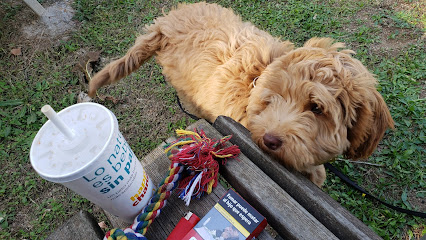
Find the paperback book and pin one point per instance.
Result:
(232, 218)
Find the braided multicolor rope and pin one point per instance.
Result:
(152, 210)
(201, 151)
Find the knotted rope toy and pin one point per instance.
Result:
(194, 159)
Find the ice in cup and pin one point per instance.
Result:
(82, 148)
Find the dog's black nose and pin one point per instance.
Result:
(272, 142)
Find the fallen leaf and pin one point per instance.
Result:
(84, 66)
(112, 99)
(108, 98)
(102, 225)
(16, 51)
(83, 97)
(93, 56)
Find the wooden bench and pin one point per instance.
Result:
(294, 207)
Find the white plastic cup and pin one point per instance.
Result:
(82, 148)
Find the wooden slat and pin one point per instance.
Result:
(283, 213)
(329, 212)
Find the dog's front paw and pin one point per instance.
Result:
(316, 174)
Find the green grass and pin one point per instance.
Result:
(32, 207)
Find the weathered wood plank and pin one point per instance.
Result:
(80, 226)
(329, 212)
(283, 213)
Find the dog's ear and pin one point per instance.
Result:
(372, 120)
(328, 44)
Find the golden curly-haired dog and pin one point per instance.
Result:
(304, 105)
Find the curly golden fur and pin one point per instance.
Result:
(309, 104)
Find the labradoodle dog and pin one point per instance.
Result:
(304, 106)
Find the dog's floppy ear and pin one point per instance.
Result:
(372, 120)
(368, 112)
(326, 43)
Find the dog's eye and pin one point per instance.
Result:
(315, 109)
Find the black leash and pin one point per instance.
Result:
(183, 110)
(351, 183)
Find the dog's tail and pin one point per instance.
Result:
(145, 47)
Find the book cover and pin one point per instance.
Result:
(232, 218)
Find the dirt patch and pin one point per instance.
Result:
(31, 32)
(55, 21)
(387, 36)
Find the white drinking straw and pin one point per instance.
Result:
(57, 121)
